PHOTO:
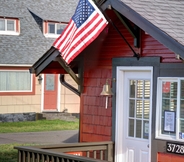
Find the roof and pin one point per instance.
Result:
(162, 19)
(167, 15)
(30, 45)
(58, 10)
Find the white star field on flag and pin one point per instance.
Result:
(83, 11)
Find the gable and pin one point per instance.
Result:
(169, 34)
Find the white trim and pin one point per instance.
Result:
(42, 92)
(51, 35)
(58, 95)
(119, 132)
(158, 134)
(9, 33)
(16, 65)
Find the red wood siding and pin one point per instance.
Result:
(163, 157)
(96, 121)
(151, 47)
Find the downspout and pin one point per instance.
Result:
(70, 87)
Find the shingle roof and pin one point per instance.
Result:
(167, 15)
(57, 10)
(30, 45)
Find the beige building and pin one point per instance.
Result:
(28, 29)
(66, 100)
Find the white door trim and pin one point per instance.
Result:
(120, 70)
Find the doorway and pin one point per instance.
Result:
(50, 92)
(133, 114)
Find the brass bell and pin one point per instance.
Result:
(106, 90)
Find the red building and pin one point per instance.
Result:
(140, 55)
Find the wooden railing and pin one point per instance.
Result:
(71, 152)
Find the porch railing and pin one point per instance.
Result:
(70, 152)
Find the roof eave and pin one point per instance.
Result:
(44, 61)
(148, 27)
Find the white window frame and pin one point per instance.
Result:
(51, 35)
(17, 91)
(158, 130)
(8, 32)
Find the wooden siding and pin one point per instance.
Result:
(96, 121)
(164, 157)
(151, 47)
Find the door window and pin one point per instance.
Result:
(50, 80)
(139, 105)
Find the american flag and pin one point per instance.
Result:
(84, 27)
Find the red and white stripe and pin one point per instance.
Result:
(73, 40)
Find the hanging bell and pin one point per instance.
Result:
(106, 90)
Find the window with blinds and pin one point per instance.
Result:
(15, 81)
(170, 108)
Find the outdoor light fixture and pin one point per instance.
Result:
(40, 79)
(106, 92)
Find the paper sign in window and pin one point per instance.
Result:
(169, 121)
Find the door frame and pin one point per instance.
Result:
(58, 94)
(119, 132)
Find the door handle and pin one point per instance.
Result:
(148, 145)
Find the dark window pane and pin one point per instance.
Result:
(51, 28)
(131, 128)
(145, 129)
(2, 25)
(182, 89)
(132, 88)
(60, 28)
(132, 108)
(182, 109)
(138, 128)
(182, 125)
(10, 25)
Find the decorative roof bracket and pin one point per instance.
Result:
(134, 31)
(106, 5)
(67, 69)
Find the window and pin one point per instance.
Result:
(9, 26)
(53, 29)
(15, 81)
(170, 108)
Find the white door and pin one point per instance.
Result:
(133, 111)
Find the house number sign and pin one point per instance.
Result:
(175, 148)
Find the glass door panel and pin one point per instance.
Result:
(139, 106)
